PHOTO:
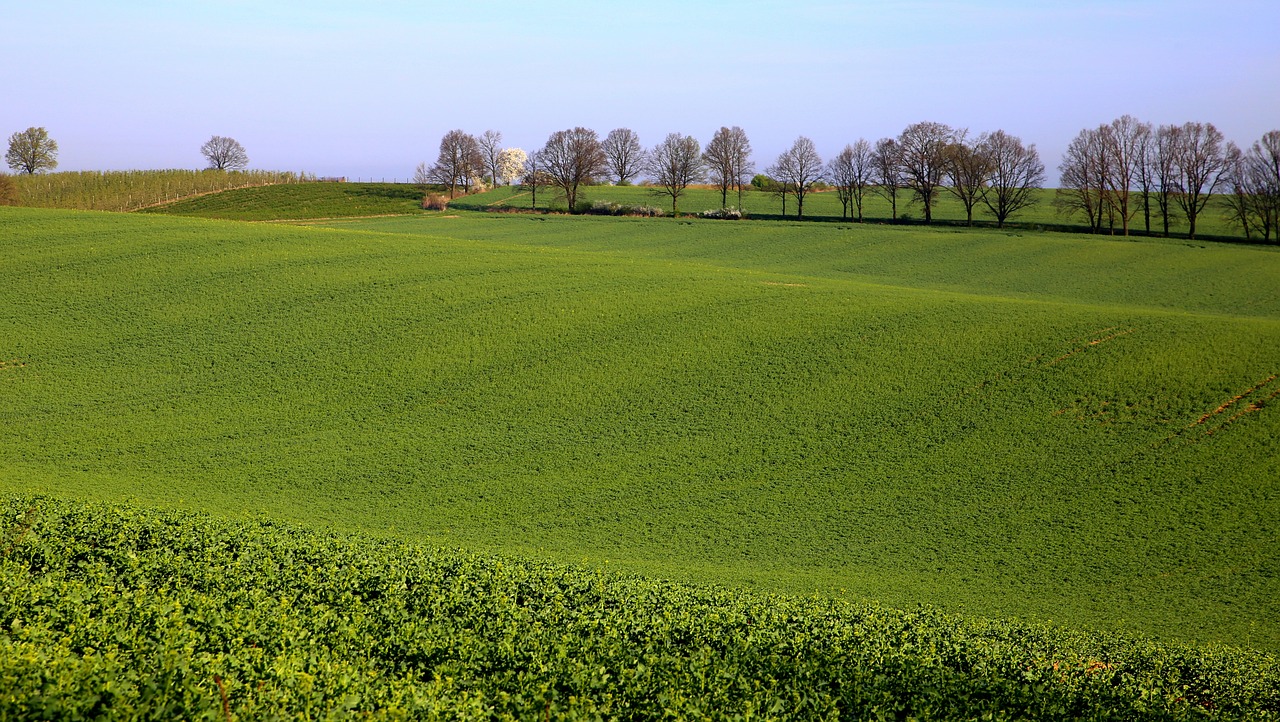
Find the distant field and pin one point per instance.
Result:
(826, 206)
(303, 201)
(344, 200)
(1017, 425)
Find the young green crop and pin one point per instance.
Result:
(121, 613)
(301, 201)
(1038, 426)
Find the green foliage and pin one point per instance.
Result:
(134, 190)
(1036, 426)
(118, 612)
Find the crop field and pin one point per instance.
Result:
(303, 201)
(1031, 426)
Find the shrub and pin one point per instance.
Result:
(434, 202)
(725, 214)
(609, 208)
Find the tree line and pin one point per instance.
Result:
(1108, 174)
(1112, 172)
(994, 169)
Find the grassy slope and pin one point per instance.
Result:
(910, 415)
(300, 201)
(338, 200)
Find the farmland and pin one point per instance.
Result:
(1043, 426)
(1047, 429)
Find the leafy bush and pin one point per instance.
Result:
(124, 613)
(434, 202)
(727, 214)
(609, 208)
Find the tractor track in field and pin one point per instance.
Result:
(1212, 422)
(1091, 344)
(1037, 362)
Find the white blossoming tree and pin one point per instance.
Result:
(510, 165)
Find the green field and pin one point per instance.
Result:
(307, 201)
(338, 200)
(1032, 426)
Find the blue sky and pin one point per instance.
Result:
(366, 89)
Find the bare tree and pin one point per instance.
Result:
(1083, 182)
(460, 160)
(886, 161)
(31, 151)
(967, 170)
(674, 164)
(534, 177)
(1253, 178)
(625, 155)
(224, 153)
(1124, 142)
(1163, 164)
(1015, 174)
(743, 167)
(1241, 209)
(1263, 160)
(423, 178)
(797, 169)
(923, 147)
(490, 150)
(1199, 166)
(572, 158)
(851, 172)
(1146, 173)
(728, 161)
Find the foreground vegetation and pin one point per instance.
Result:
(119, 612)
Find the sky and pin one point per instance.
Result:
(366, 88)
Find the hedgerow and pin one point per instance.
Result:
(123, 612)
